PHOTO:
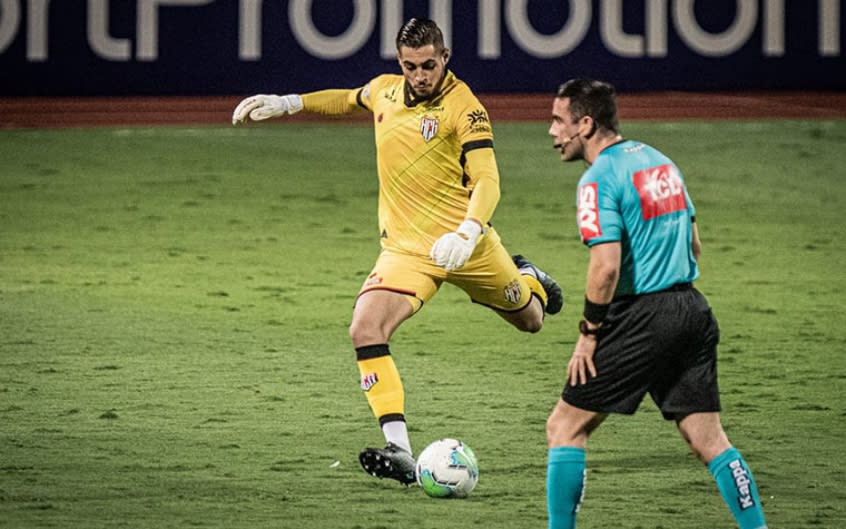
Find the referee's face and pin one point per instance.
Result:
(565, 131)
(423, 68)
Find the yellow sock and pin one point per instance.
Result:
(381, 383)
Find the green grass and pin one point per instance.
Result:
(174, 306)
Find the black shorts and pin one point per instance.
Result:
(663, 343)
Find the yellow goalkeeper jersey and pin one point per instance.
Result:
(422, 149)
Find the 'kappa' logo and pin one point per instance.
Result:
(588, 212)
(390, 95)
(743, 484)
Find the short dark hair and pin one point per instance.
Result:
(596, 99)
(419, 32)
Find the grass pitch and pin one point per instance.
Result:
(174, 353)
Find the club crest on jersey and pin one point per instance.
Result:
(428, 127)
(368, 381)
(512, 292)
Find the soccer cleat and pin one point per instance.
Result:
(555, 297)
(389, 462)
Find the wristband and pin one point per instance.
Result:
(595, 312)
(587, 331)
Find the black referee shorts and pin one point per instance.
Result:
(664, 343)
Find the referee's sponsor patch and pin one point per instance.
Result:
(588, 211)
(661, 191)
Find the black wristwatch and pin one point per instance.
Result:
(587, 331)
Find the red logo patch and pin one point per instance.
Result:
(372, 279)
(661, 191)
(588, 207)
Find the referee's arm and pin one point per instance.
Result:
(603, 272)
(695, 244)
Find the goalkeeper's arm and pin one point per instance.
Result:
(263, 106)
(480, 166)
(453, 249)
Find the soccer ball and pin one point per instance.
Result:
(447, 468)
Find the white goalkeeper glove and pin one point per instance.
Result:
(261, 106)
(452, 250)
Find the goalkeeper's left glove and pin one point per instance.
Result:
(453, 249)
(262, 106)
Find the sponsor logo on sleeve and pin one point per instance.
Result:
(588, 212)
(660, 189)
(477, 116)
(479, 121)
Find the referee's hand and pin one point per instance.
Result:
(581, 363)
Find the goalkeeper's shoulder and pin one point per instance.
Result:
(335, 101)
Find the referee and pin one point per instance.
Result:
(645, 328)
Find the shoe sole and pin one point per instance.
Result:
(379, 465)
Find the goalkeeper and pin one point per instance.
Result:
(438, 189)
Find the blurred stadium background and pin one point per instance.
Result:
(97, 62)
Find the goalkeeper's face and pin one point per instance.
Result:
(423, 68)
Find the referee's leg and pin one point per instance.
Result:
(705, 435)
(567, 432)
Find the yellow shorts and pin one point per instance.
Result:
(489, 277)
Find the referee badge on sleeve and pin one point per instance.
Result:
(428, 127)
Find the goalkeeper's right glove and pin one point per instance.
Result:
(452, 250)
(261, 106)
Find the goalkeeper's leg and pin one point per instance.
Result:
(382, 385)
(377, 314)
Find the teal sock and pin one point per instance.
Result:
(738, 489)
(565, 484)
